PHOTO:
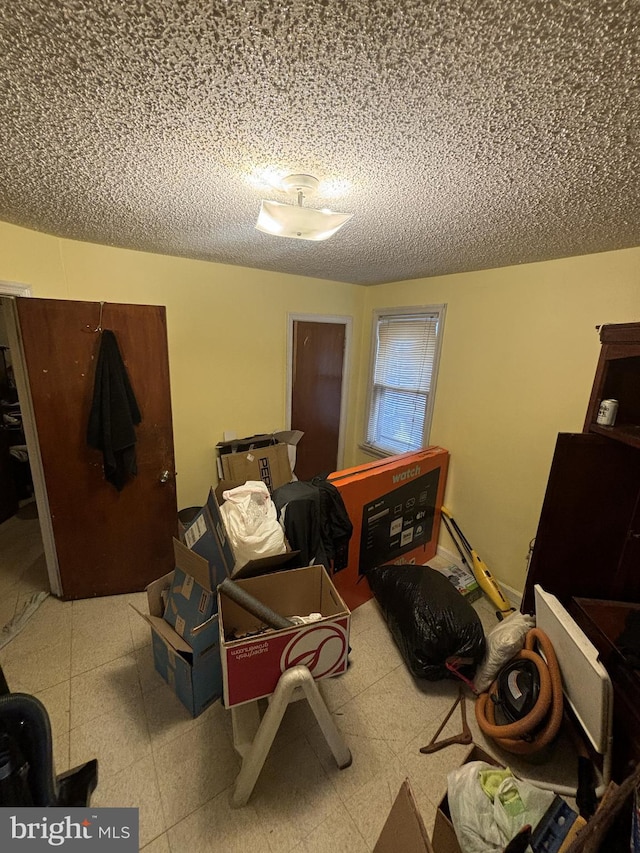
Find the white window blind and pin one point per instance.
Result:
(406, 349)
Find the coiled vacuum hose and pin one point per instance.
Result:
(518, 737)
(22, 711)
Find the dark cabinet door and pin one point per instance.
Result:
(584, 545)
(628, 576)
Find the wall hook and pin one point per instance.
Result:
(88, 328)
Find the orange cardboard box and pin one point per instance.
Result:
(394, 506)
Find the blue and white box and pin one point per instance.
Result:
(191, 602)
(189, 663)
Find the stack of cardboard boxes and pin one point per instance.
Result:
(183, 608)
(184, 630)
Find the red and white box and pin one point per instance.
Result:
(253, 664)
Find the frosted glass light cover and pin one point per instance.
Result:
(301, 223)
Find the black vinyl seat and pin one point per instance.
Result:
(27, 774)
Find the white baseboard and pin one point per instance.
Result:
(514, 595)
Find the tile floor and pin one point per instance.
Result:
(90, 662)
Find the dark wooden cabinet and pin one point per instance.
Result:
(612, 627)
(588, 538)
(618, 377)
(587, 546)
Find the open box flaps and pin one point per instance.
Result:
(190, 664)
(191, 602)
(200, 636)
(207, 537)
(444, 837)
(268, 457)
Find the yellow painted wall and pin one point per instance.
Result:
(227, 329)
(517, 365)
(518, 359)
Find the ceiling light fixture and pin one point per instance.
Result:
(294, 220)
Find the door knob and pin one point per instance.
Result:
(165, 476)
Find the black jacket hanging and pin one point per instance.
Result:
(337, 528)
(114, 414)
(316, 521)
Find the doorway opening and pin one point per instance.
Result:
(23, 567)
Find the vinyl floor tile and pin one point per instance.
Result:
(117, 739)
(91, 663)
(338, 832)
(135, 786)
(35, 670)
(194, 767)
(109, 687)
(293, 795)
(100, 640)
(217, 826)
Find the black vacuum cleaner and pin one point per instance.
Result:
(27, 775)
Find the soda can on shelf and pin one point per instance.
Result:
(607, 412)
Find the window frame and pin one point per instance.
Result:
(415, 311)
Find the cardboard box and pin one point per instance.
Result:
(269, 464)
(207, 537)
(251, 666)
(195, 679)
(190, 664)
(394, 506)
(460, 577)
(191, 602)
(444, 837)
(268, 457)
(404, 830)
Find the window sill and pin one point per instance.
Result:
(375, 451)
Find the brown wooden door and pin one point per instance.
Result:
(107, 542)
(318, 356)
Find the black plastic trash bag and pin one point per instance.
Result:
(430, 621)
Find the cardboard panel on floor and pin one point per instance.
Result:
(404, 829)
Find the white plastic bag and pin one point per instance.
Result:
(503, 643)
(252, 523)
(535, 802)
(486, 826)
(472, 811)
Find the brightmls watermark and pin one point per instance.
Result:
(35, 829)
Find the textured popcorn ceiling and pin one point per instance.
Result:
(474, 133)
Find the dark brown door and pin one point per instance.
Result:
(107, 542)
(318, 356)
